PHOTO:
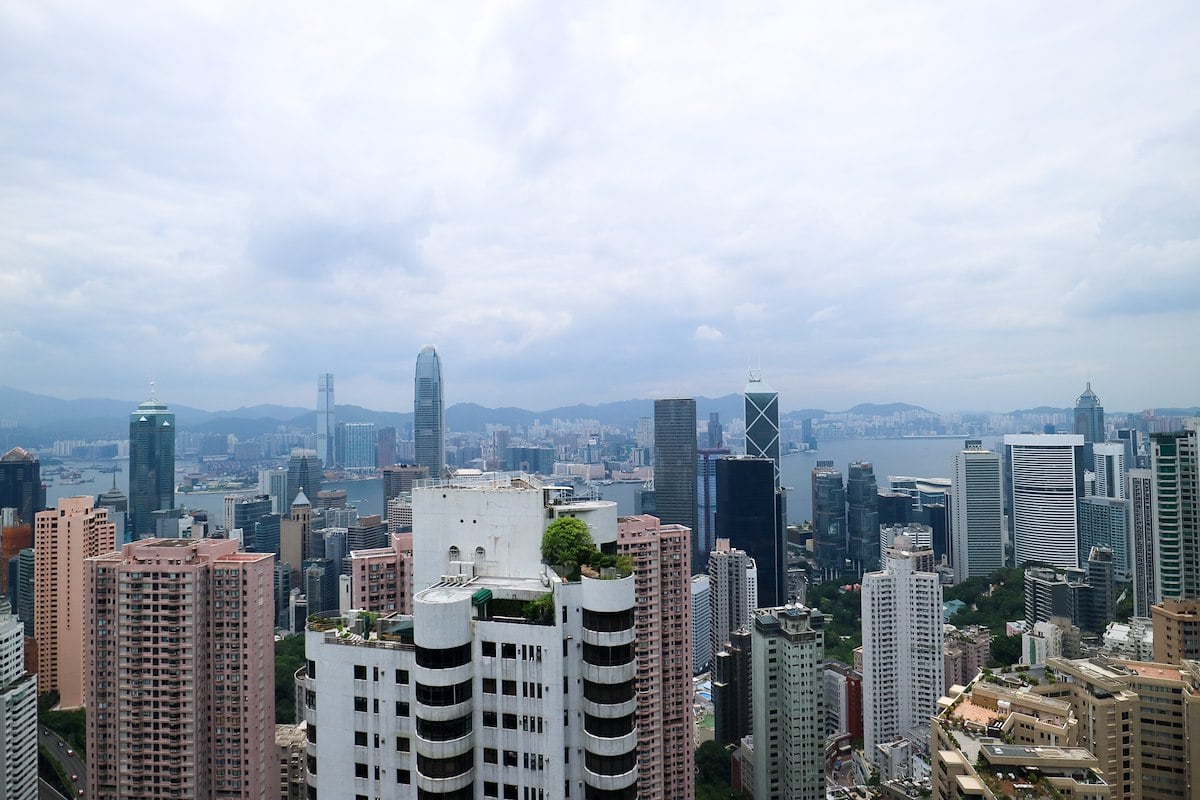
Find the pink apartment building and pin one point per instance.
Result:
(381, 577)
(662, 569)
(64, 538)
(181, 670)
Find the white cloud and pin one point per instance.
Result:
(304, 190)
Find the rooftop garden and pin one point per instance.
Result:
(568, 547)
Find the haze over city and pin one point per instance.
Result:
(962, 210)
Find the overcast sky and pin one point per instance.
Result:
(963, 206)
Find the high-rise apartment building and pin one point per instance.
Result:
(702, 628)
(1110, 463)
(1045, 474)
(750, 516)
(762, 421)
(151, 465)
(181, 670)
(903, 670)
(273, 483)
(381, 577)
(429, 413)
(1104, 522)
(1141, 541)
(475, 695)
(788, 657)
(732, 593)
(731, 688)
(977, 513)
(1176, 630)
(862, 517)
(663, 619)
(64, 538)
(303, 474)
(21, 484)
(18, 716)
(325, 420)
(1175, 464)
(829, 519)
(675, 467)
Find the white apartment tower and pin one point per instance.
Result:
(18, 722)
(702, 653)
(1045, 473)
(1108, 459)
(732, 591)
(507, 680)
(977, 513)
(903, 667)
(787, 665)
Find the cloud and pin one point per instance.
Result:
(556, 194)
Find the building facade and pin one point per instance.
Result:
(762, 421)
(750, 516)
(862, 518)
(702, 651)
(977, 513)
(64, 538)
(303, 475)
(429, 412)
(1175, 464)
(788, 663)
(1141, 541)
(1045, 473)
(180, 686)
(151, 465)
(903, 670)
(733, 592)
(675, 466)
(18, 715)
(326, 415)
(21, 484)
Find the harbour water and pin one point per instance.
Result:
(921, 457)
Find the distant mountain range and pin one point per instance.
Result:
(40, 419)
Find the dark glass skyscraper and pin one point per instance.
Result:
(862, 517)
(762, 421)
(750, 516)
(675, 467)
(429, 413)
(325, 420)
(1089, 421)
(304, 473)
(829, 519)
(21, 484)
(151, 465)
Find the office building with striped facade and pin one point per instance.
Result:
(1045, 482)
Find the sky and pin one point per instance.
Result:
(962, 206)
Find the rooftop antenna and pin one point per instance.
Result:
(153, 391)
(755, 372)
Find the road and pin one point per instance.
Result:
(69, 763)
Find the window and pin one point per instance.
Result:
(360, 738)
(403, 776)
(401, 708)
(444, 658)
(360, 703)
(402, 677)
(508, 650)
(510, 792)
(488, 649)
(510, 688)
(491, 789)
(489, 755)
(360, 770)
(510, 721)
(489, 719)
(489, 685)
(360, 672)
(403, 745)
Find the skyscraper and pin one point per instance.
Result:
(325, 420)
(1111, 465)
(762, 421)
(716, 433)
(1175, 464)
(706, 497)
(151, 465)
(829, 519)
(902, 631)
(750, 517)
(304, 473)
(359, 445)
(675, 467)
(180, 686)
(18, 716)
(862, 517)
(64, 538)
(663, 615)
(1104, 522)
(21, 484)
(702, 651)
(1089, 419)
(429, 413)
(1045, 474)
(977, 508)
(1141, 541)
(788, 657)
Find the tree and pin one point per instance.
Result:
(567, 541)
(289, 657)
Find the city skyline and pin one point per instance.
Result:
(939, 202)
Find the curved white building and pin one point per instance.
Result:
(1045, 473)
